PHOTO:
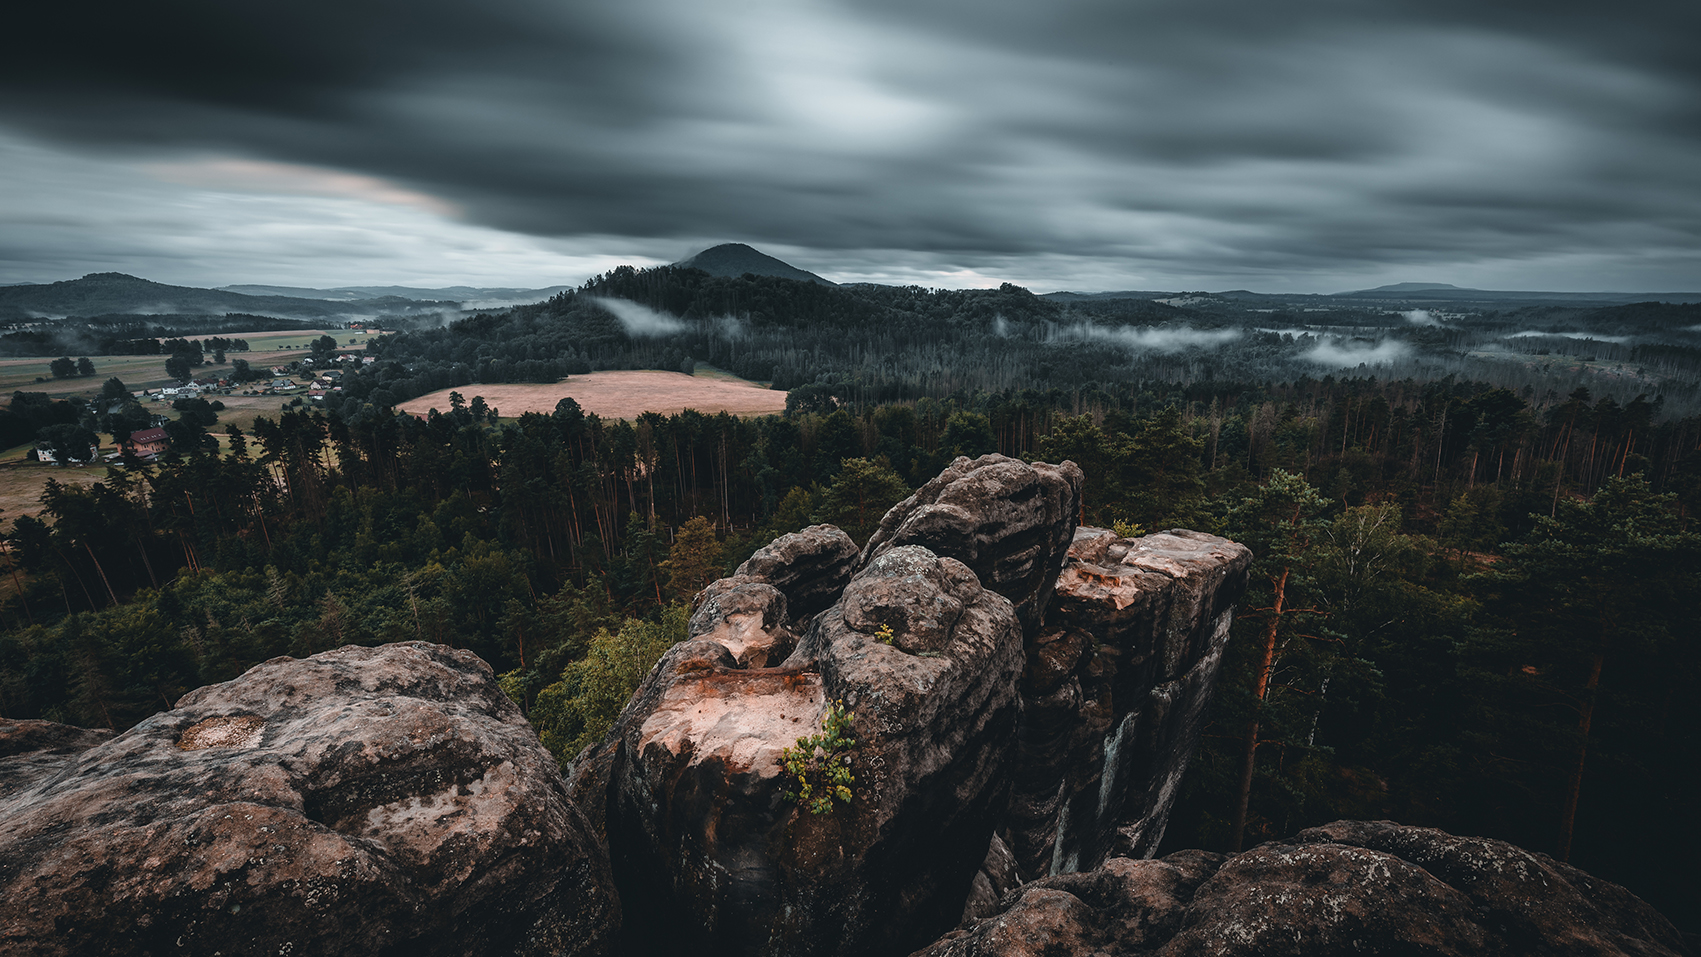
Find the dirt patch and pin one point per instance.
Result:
(21, 482)
(618, 395)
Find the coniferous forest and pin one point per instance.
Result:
(1476, 548)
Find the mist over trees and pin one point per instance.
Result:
(872, 344)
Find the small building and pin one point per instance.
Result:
(147, 444)
(52, 457)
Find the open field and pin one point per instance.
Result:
(148, 372)
(21, 482)
(620, 395)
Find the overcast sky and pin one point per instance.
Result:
(1318, 145)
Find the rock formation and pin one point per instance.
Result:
(1348, 888)
(761, 609)
(969, 662)
(1008, 520)
(364, 801)
(707, 851)
(924, 645)
(1115, 692)
(810, 568)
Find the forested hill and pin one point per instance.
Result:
(869, 343)
(112, 293)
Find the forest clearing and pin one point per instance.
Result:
(618, 395)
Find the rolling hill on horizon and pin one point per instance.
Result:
(735, 259)
(113, 293)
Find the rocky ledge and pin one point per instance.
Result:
(364, 801)
(1348, 888)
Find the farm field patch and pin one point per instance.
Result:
(618, 395)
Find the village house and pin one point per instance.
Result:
(146, 444)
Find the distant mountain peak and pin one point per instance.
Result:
(736, 259)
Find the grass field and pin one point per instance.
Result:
(620, 395)
(21, 482)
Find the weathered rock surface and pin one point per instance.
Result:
(1008, 520)
(759, 612)
(998, 875)
(748, 617)
(707, 852)
(1347, 888)
(1115, 691)
(33, 750)
(811, 568)
(364, 801)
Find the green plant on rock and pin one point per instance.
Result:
(1127, 529)
(818, 767)
(884, 635)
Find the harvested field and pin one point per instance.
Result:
(618, 395)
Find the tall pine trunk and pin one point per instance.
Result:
(1261, 688)
(1574, 789)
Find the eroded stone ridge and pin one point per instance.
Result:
(749, 617)
(1347, 888)
(363, 801)
(810, 568)
(707, 852)
(1115, 689)
(1008, 520)
(759, 612)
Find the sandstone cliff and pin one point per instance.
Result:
(970, 666)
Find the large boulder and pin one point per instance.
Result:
(759, 611)
(1008, 520)
(748, 617)
(364, 801)
(1115, 691)
(1349, 888)
(810, 568)
(707, 851)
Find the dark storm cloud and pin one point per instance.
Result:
(1085, 142)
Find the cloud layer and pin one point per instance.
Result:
(1084, 144)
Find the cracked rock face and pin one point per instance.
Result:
(1347, 888)
(1115, 690)
(1008, 520)
(810, 568)
(747, 616)
(708, 853)
(364, 801)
